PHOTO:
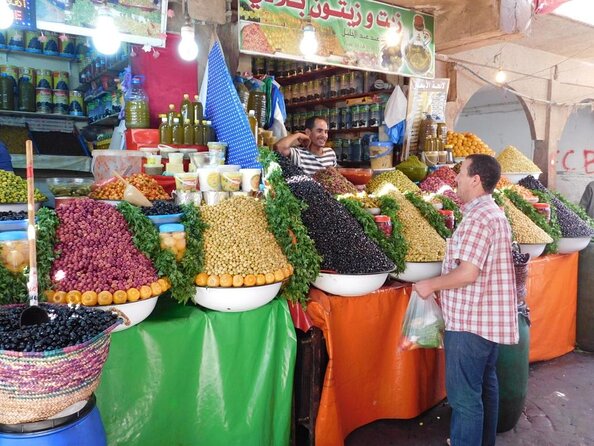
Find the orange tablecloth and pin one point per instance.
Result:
(367, 378)
(552, 299)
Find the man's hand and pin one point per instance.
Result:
(303, 140)
(283, 146)
(423, 288)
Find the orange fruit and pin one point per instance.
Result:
(286, 272)
(133, 294)
(250, 280)
(49, 295)
(145, 292)
(237, 280)
(260, 279)
(89, 298)
(120, 297)
(156, 289)
(278, 275)
(213, 281)
(73, 297)
(163, 284)
(104, 298)
(226, 280)
(201, 279)
(60, 297)
(269, 278)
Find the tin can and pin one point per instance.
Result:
(76, 107)
(43, 100)
(60, 80)
(27, 74)
(61, 102)
(67, 47)
(82, 49)
(32, 43)
(3, 43)
(51, 44)
(12, 72)
(15, 39)
(45, 79)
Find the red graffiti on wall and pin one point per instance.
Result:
(576, 160)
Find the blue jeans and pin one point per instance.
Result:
(471, 385)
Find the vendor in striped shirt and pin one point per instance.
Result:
(308, 150)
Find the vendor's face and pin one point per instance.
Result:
(319, 133)
(466, 184)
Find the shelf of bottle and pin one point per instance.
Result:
(24, 114)
(308, 76)
(45, 56)
(110, 120)
(109, 71)
(334, 100)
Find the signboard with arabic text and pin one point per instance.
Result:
(360, 34)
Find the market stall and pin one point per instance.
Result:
(201, 377)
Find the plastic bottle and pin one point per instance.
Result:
(26, 100)
(137, 106)
(165, 132)
(185, 110)
(6, 93)
(171, 115)
(253, 123)
(177, 132)
(198, 133)
(197, 110)
(188, 132)
(242, 91)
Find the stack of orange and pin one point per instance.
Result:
(241, 280)
(92, 298)
(467, 143)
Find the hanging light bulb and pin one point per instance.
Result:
(309, 41)
(392, 36)
(187, 48)
(500, 76)
(6, 15)
(106, 37)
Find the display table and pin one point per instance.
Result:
(367, 378)
(187, 377)
(552, 299)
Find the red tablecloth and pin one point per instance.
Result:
(552, 299)
(367, 377)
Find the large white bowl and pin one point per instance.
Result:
(134, 312)
(573, 244)
(350, 284)
(17, 207)
(515, 177)
(234, 300)
(534, 249)
(416, 271)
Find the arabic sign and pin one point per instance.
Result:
(24, 13)
(139, 21)
(359, 34)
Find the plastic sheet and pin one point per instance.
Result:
(187, 377)
(367, 378)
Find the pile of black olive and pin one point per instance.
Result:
(68, 325)
(11, 215)
(162, 207)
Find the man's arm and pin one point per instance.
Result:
(283, 146)
(465, 274)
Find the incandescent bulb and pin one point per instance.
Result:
(106, 36)
(187, 48)
(6, 15)
(500, 77)
(309, 41)
(392, 37)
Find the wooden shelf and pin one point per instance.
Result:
(334, 100)
(45, 56)
(22, 114)
(309, 75)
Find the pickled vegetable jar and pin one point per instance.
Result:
(173, 238)
(14, 247)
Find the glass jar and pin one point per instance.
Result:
(172, 237)
(544, 209)
(374, 115)
(14, 250)
(384, 224)
(337, 147)
(355, 116)
(364, 115)
(346, 150)
(448, 219)
(333, 121)
(345, 118)
(345, 84)
(355, 150)
(334, 88)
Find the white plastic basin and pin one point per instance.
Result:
(534, 249)
(350, 284)
(134, 312)
(234, 300)
(567, 245)
(416, 271)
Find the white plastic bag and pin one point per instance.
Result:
(423, 324)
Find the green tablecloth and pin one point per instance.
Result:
(187, 376)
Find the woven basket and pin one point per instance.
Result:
(37, 385)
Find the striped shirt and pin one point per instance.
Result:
(486, 307)
(311, 163)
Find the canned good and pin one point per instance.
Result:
(3, 44)
(12, 73)
(28, 74)
(15, 39)
(51, 44)
(32, 43)
(60, 80)
(43, 100)
(76, 107)
(44, 79)
(61, 102)
(67, 46)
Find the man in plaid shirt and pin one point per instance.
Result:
(478, 302)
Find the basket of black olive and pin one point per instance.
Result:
(48, 367)
(69, 187)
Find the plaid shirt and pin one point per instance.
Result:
(486, 307)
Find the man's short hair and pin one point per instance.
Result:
(487, 168)
(311, 122)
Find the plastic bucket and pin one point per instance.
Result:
(125, 162)
(250, 179)
(209, 179)
(67, 430)
(380, 155)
